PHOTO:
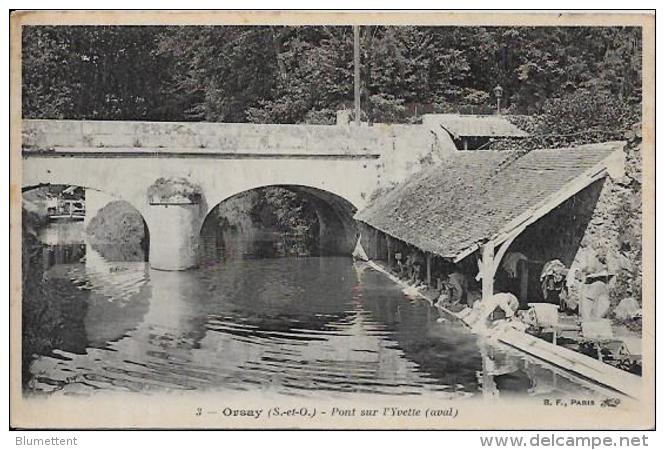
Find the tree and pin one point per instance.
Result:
(218, 73)
(91, 72)
(285, 74)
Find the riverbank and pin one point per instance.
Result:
(504, 332)
(49, 304)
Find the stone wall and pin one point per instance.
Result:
(612, 241)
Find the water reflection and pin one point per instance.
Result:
(300, 326)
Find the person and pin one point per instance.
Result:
(457, 286)
(553, 283)
(416, 262)
(454, 292)
(407, 268)
(510, 262)
(399, 264)
(484, 311)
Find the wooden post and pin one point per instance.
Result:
(488, 270)
(389, 251)
(524, 283)
(428, 258)
(489, 389)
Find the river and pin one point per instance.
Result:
(307, 326)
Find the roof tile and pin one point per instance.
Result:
(472, 195)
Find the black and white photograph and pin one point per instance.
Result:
(362, 221)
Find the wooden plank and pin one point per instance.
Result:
(568, 361)
(463, 254)
(504, 248)
(585, 366)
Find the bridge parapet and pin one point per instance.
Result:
(230, 138)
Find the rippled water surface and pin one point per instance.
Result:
(301, 326)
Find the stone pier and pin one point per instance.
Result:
(174, 220)
(174, 236)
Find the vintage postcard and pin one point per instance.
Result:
(340, 220)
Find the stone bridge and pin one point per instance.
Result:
(174, 174)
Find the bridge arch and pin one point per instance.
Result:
(174, 228)
(218, 191)
(86, 179)
(337, 230)
(120, 234)
(102, 195)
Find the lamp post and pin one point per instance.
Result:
(498, 93)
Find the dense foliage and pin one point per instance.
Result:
(291, 214)
(304, 74)
(118, 233)
(49, 304)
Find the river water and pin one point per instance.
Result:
(313, 326)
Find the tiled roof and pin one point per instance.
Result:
(481, 126)
(472, 195)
